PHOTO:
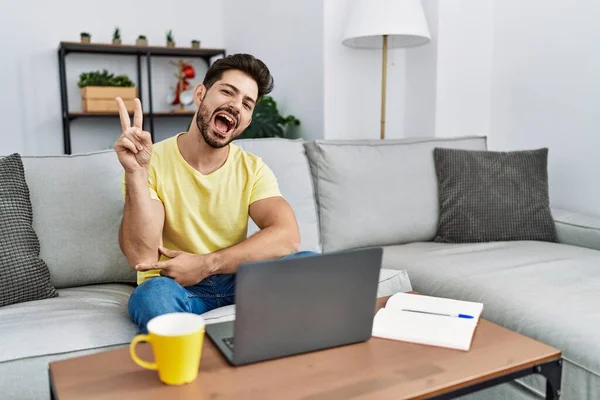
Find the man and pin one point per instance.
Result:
(188, 198)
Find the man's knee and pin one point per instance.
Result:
(154, 297)
(155, 288)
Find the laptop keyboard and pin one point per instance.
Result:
(228, 342)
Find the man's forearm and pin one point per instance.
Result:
(138, 237)
(269, 243)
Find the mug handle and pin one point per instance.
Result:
(139, 361)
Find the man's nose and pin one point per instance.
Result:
(236, 104)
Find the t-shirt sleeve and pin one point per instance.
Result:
(151, 184)
(265, 184)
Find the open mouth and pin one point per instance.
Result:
(224, 123)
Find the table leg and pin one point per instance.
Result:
(53, 395)
(552, 371)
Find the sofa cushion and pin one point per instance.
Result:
(24, 276)
(547, 291)
(287, 159)
(577, 229)
(378, 192)
(78, 319)
(493, 196)
(78, 206)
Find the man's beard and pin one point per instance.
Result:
(202, 122)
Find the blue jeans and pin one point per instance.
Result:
(162, 295)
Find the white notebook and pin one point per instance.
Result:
(394, 322)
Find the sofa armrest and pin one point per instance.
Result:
(577, 229)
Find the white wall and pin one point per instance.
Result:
(464, 67)
(287, 36)
(448, 81)
(545, 86)
(352, 91)
(421, 80)
(30, 105)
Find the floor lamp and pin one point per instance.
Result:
(383, 24)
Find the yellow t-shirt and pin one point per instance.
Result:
(205, 213)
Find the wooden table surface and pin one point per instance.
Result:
(377, 369)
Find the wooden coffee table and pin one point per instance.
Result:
(376, 369)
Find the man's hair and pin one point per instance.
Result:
(248, 64)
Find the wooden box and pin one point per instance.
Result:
(101, 99)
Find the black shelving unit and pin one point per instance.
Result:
(138, 51)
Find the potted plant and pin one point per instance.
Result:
(268, 122)
(116, 36)
(170, 40)
(99, 89)
(195, 44)
(85, 37)
(141, 41)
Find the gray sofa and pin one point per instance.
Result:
(346, 194)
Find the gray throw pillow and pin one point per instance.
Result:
(24, 276)
(488, 196)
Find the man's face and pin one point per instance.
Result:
(226, 109)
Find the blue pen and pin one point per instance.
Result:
(442, 314)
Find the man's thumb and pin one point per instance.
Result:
(167, 252)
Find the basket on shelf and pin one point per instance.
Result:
(102, 98)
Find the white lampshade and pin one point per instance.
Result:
(402, 20)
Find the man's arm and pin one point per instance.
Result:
(140, 233)
(278, 236)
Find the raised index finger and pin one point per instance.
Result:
(123, 114)
(138, 116)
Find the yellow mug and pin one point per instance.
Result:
(176, 340)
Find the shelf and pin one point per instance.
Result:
(75, 115)
(145, 53)
(125, 49)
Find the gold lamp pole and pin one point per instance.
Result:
(383, 84)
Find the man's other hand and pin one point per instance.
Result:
(185, 268)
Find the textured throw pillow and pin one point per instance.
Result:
(488, 196)
(24, 276)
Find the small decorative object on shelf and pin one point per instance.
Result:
(195, 44)
(85, 37)
(116, 36)
(99, 89)
(268, 122)
(182, 94)
(170, 40)
(141, 41)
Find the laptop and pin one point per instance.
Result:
(298, 305)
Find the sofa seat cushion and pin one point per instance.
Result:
(78, 319)
(544, 290)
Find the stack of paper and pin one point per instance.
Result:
(221, 314)
(428, 320)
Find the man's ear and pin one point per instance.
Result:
(199, 93)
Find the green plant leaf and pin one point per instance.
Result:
(104, 78)
(267, 121)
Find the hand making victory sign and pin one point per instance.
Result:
(134, 146)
